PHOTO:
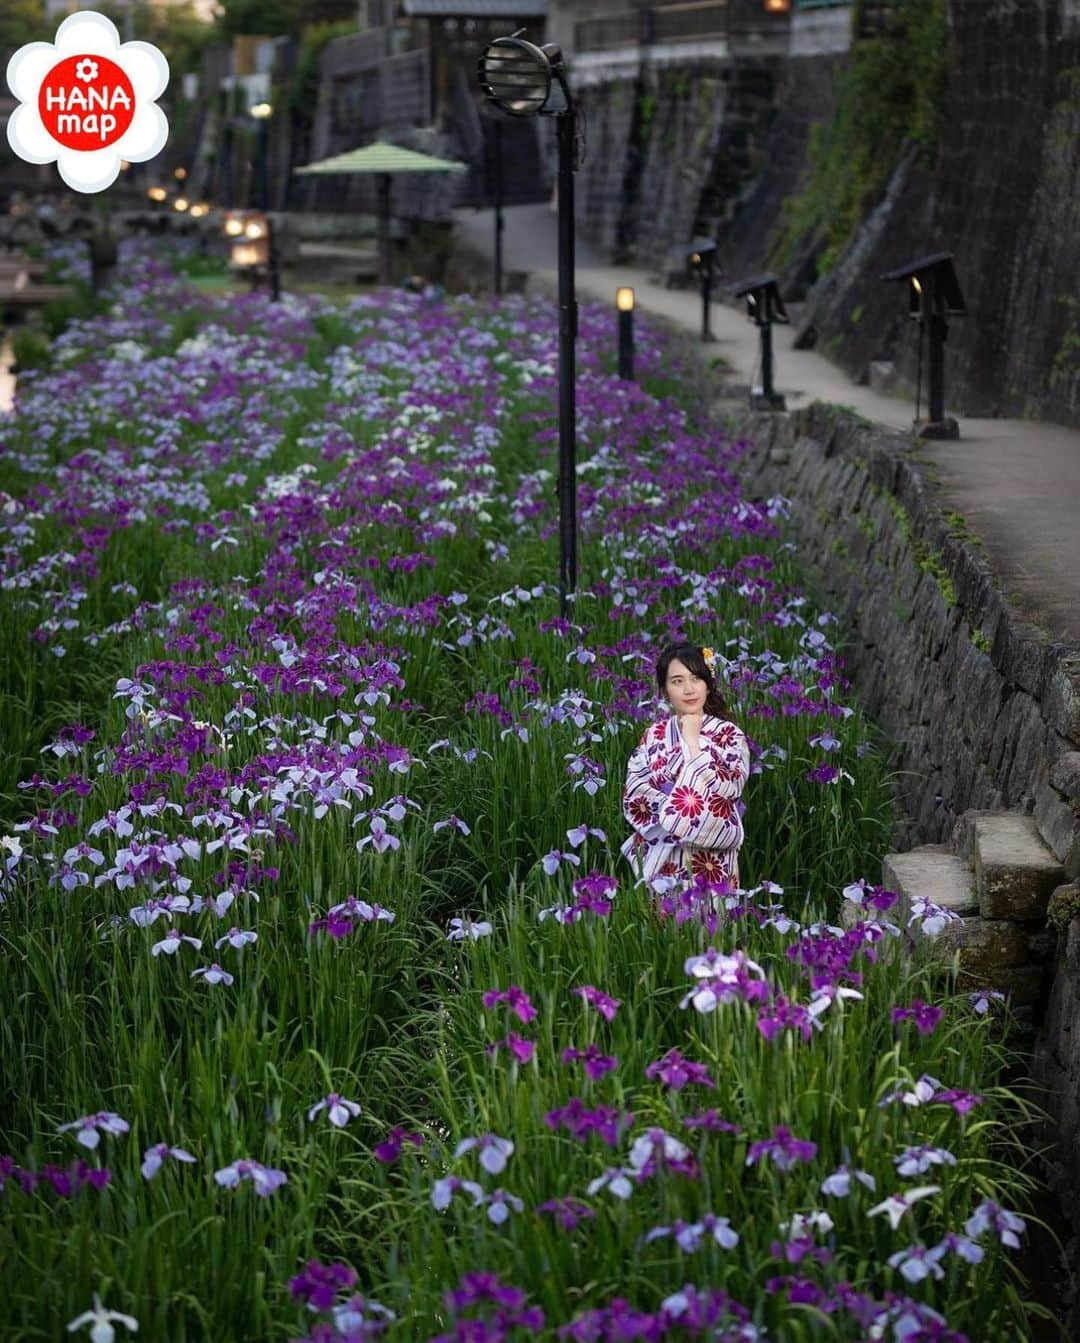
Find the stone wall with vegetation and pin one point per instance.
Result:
(955, 130)
(669, 150)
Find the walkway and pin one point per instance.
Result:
(1016, 482)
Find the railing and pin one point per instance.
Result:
(609, 30)
(871, 16)
(676, 23)
(655, 24)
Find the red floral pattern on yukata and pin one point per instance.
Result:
(687, 802)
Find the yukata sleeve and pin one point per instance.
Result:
(641, 798)
(701, 808)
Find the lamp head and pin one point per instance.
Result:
(624, 298)
(932, 286)
(262, 110)
(516, 74)
(763, 301)
(180, 204)
(700, 254)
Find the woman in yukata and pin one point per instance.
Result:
(686, 776)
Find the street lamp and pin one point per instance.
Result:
(516, 76)
(494, 169)
(262, 113)
(764, 306)
(624, 302)
(934, 295)
(701, 254)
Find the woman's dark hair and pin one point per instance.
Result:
(692, 658)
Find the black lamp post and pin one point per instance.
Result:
(624, 302)
(494, 168)
(262, 113)
(701, 255)
(517, 77)
(764, 306)
(934, 295)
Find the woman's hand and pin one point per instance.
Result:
(690, 727)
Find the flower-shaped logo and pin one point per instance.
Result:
(87, 102)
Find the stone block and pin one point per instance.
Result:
(1065, 775)
(1015, 873)
(986, 946)
(1023, 983)
(882, 376)
(1062, 701)
(1057, 822)
(932, 872)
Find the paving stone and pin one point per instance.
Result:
(1015, 873)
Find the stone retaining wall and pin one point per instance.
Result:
(981, 703)
(984, 708)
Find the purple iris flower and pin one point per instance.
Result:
(988, 1216)
(522, 1049)
(154, 1158)
(568, 1212)
(782, 1015)
(676, 1072)
(711, 1122)
(925, 1015)
(595, 1063)
(92, 1126)
(607, 1007)
(264, 1178)
(494, 1151)
(389, 1150)
(516, 999)
(214, 974)
(784, 1149)
(318, 1284)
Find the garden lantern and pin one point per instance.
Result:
(624, 302)
(934, 295)
(180, 204)
(764, 306)
(157, 194)
(250, 250)
(701, 256)
(517, 76)
(234, 224)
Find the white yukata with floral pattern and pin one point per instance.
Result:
(686, 814)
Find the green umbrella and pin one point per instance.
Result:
(384, 160)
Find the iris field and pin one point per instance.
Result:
(329, 1010)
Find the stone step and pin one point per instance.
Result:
(993, 953)
(1015, 872)
(934, 872)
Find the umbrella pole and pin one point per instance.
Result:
(382, 230)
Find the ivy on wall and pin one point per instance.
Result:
(889, 92)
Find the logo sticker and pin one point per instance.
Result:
(86, 101)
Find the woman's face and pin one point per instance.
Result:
(685, 691)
